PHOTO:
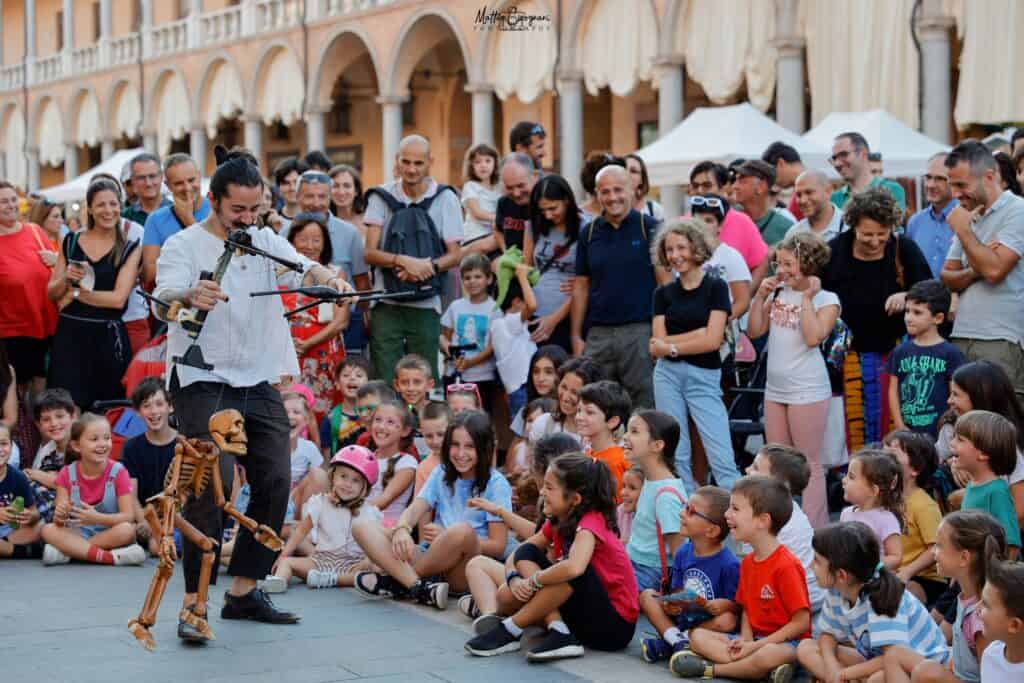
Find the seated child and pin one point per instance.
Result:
(873, 486)
(337, 557)
(307, 475)
(392, 434)
(868, 617)
(434, 420)
(518, 459)
(587, 597)
(705, 567)
(342, 426)
(148, 455)
(772, 593)
(510, 337)
(368, 397)
(788, 465)
(94, 513)
(1003, 622)
(463, 397)
(632, 485)
(54, 411)
(604, 408)
(916, 455)
(458, 532)
(20, 523)
(984, 447)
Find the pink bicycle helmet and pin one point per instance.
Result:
(360, 459)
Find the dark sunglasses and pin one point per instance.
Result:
(692, 511)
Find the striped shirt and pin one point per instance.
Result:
(869, 633)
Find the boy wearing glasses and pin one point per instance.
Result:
(705, 569)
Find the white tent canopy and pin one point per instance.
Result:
(905, 152)
(74, 190)
(721, 134)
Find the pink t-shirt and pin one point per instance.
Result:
(879, 520)
(740, 233)
(610, 563)
(91, 490)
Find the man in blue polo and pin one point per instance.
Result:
(614, 285)
(929, 227)
(189, 207)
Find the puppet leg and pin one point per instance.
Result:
(195, 615)
(160, 522)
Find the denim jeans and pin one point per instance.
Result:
(681, 389)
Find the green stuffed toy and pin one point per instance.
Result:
(507, 263)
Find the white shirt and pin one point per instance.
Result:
(137, 308)
(486, 201)
(333, 524)
(470, 325)
(393, 511)
(305, 457)
(797, 536)
(727, 264)
(994, 666)
(513, 350)
(246, 339)
(796, 372)
(834, 227)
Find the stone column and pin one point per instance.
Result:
(32, 157)
(483, 113)
(106, 148)
(789, 72)
(145, 27)
(570, 127)
(248, 26)
(68, 30)
(391, 125)
(316, 130)
(30, 43)
(70, 161)
(671, 107)
(254, 136)
(195, 9)
(197, 144)
(934, 29)
(106, 33)
(150, 142)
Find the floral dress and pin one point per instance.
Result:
(316, 365)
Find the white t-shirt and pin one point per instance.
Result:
(513, 350)
(470, 325)
(333, 524)
(727, 264)
(393, 511)
(241, 358)
(305, 457)
(486, 200)
(545, 424)
(796, 371)
(994, 666)
(797, 536)
(137, 308)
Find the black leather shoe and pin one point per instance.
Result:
(255, 605)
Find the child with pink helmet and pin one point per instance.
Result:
(337, 557)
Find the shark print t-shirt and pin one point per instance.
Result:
(923, 373)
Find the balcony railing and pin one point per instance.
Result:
(249, 18)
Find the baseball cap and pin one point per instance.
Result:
(758, 169)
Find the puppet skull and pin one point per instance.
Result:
(227, 428)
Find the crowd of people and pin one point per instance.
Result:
(545, 412)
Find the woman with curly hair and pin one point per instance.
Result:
(798, 315)
(871, 270)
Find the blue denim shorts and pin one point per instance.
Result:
(736, 636)
(647, 577)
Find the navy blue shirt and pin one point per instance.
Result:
(714, 577)
(924, 373)
(14, 484)
(618, 263)
(147, 463)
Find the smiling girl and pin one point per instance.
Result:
(458, 533)
(798, 315)
(572, 376)
(391, 429)
(95, 509)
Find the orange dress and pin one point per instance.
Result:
(317, 365)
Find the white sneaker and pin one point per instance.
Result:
(272, 584)
(318, 579)
(52, 556)
(132, 554)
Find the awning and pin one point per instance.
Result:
(14, 149)
(224, 97)
(283, 90)
(126, 112)
(51, 135)
(74, 190)
(618, 46)
(522, 63)
(989, 89)
(90, 130)
(172, 108)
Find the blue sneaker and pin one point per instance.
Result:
(658, 650)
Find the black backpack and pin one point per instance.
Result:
(411, 232)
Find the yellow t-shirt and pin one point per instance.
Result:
(923, 517)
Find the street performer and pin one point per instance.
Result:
(247, 342)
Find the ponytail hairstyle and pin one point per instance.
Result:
(77, 429)
(404, 443)
(481, 433)
(853, 547)
(550, 447)
(981, 535)
(592, 479)
(923, 459)
(662, 427)
(106, 185)
(881, 469)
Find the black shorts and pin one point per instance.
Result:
(588, 612)
(933, 589)
(27, 356)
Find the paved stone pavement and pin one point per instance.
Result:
(69, 623)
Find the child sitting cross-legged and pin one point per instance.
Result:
(603, 409)
(20, 524)
(772, 593)
(94, 513)
(458, 532)
(337, 557)
(705, 569)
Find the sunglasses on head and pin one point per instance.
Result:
(312, 217)
(710, 202)
(366, 410)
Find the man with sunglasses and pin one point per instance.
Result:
(752, 189)
(850, 153)
(929, 227)
(530, 139)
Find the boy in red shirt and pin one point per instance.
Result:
(772, 593)
(604, 407)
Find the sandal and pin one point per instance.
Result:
(383, 586)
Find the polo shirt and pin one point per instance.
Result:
(840, 196)
(831, 231)
(931, 232)
(346, 245)
(163, 223)
(773, 226)
(134, 212)
(618, 263)
(740, 233)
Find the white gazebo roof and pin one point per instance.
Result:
(74, 190)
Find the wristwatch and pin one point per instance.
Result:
(673, 351)
(405, 528)
(433, 264)
(75, 292)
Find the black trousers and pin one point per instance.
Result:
(267, 469)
